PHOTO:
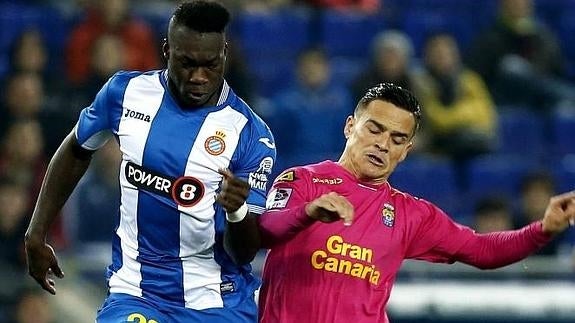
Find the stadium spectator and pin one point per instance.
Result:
(361, 5)
(23, 161)
(33, 307)
(392, 54)
(107, 57)
(110, 17)
(492, 213)
(24, 98)
(307, 118)
(520, 59)
(536, 188)
(96, 199)
(29, 53)
(22, 155)
(14, 210)
(461, 120)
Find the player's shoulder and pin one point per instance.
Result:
(121, 78)
(254, 120)
(300, 172)
(128, 75)
(410, 200)
(398, 194)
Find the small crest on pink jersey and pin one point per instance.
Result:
(388, 215)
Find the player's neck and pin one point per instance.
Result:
(347, 164)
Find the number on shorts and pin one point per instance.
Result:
(139, 318)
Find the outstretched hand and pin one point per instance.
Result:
(234, 191)
(329, 208)
(43, 265)
(560, 213)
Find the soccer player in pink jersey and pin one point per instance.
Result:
(338, 232)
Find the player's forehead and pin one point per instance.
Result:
(388, 115)
(186, 41)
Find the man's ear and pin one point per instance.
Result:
(347, 130)
(165, 49)
(406, 151)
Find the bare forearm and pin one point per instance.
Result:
(498, 249)
(64, 172)
(242, 239)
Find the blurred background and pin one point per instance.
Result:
(496, 79)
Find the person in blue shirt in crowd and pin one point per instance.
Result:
(308, 114)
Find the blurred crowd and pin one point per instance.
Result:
(496, 79)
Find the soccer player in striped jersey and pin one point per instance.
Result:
(322, 270)
(195, 162)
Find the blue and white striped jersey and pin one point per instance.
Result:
(168, 245)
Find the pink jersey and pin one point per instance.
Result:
(318, 272)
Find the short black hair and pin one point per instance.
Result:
(202, 16)
(395, 95)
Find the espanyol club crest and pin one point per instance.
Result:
(215, 145)
(388, 215)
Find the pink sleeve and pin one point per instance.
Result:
(285, 210)
(434, 236)
(280, 226)
(498, 249)
(440, 239)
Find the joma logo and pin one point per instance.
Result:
(136, 115)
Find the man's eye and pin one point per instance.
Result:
(399, 141)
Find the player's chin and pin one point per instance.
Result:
(374, 172)
(194, 99)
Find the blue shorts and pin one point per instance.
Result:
(122, 308)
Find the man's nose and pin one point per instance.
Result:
(198, 75)
(383, 142)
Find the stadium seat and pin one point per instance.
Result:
(346, 70)
(521, 132)
(563, 169)
(278, 33)
(271, 42)
(563, 133)
(272, 74)
(498, 174)
(430, 178)
(565, 31)
(349, 34)
(420, 24)
(51, 23)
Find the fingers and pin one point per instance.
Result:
(339, 205)
(560, 213)
(45, 282)
(43, 266)
(570, 213)
(47, 285)
(234, 191)
(226, 173)
(57, 271)
(564, 198)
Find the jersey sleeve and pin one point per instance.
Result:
(285, 214)
(288, 191)
(437, 237)
(96, 122)
(256, 164)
